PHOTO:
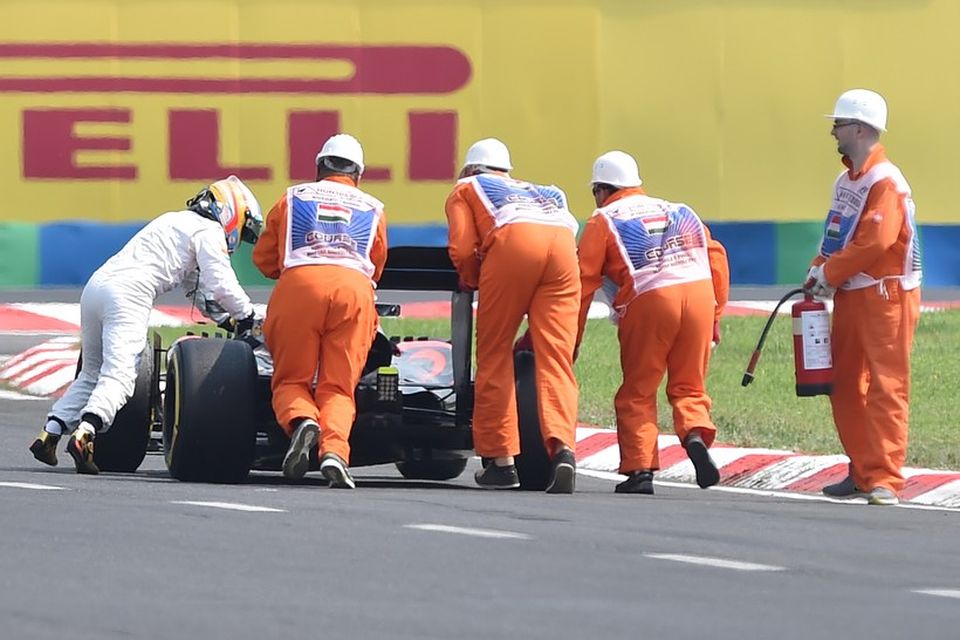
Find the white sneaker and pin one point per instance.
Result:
(335, 470)
(883, 497)
(297, 461)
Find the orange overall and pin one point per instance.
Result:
(876, 309)
(666, 301)
(520, 266)
(321, 319)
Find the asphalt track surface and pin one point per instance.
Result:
(143, 556)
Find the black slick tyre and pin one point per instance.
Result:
(533, 464)
(209, 428)
(123, 446)
(432, 469)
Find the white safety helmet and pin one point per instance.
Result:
(861, 105)
(489, 152)
(616, 168)
(345, 146)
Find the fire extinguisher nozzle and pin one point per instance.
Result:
(747, 379)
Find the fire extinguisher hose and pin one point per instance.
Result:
(755, 358)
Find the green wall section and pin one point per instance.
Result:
(247, 273)
(20, 264)
(797, 244)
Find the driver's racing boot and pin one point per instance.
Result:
(80, 448)
(44, 448)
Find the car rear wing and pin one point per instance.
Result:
(419, 269)
(430, 269)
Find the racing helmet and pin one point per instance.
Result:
(233, 205)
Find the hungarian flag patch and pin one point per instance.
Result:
(655, 224)
(332, 213)
(833, 226)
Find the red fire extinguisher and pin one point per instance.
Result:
(812, 359)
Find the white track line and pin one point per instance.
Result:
(466, 531)
(942, 593)
(29, 485)
(719, 563)
(232, 506)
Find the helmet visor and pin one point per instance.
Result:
(252, 226)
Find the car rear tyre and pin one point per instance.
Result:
(123, 446)
(432, 469)
(533, 464)
(209, 429)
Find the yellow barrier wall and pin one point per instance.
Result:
(721, 102)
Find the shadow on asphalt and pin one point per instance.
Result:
(256, 479)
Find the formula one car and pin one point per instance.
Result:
(414, 399)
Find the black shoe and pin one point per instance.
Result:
(707, 472)
(296, 462)
(80, 448)
(563, 473)
(334, 469)
(846, 488)
(44, 448)
(637, 482)
(494, 476)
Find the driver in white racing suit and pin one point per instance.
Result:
(190, 247)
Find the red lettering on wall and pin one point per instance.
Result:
(377, 69)
(194, 138)
(306, 133)
(376, 174)
(50, 144)
(433, 145)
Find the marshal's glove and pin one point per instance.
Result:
(817, 285)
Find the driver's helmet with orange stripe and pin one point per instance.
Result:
(233, 205)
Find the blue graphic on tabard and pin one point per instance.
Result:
(306, 230)
(645, 248)
(506, 191)
(836, 228)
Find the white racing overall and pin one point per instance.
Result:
(116, 302)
